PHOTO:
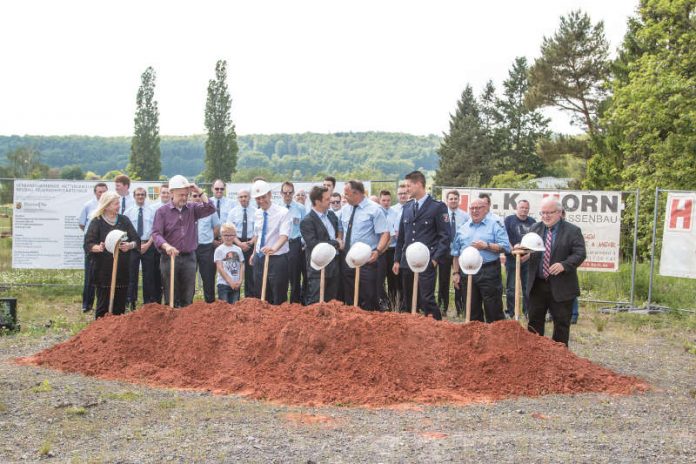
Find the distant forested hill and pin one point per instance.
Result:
(298, 156)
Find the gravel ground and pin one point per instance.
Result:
(50, 416)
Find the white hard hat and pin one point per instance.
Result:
(112, 238)
(417, 257)
(178, 182)
(532, 241)
(470, 261)
(358, 254)
(322, 254)
(260, 188)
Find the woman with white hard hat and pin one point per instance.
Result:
(100, 242)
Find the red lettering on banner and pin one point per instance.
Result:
(557, 195)
(680, 208)
(464, 202)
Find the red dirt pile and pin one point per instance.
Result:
(327, 354)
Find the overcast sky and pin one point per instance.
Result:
(73, 67)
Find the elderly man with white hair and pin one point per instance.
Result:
(552, 279)
(242, 216)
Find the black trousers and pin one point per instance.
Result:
(184, 278)
(102, 307)
(426, 290)
(295, 263)
(277, 285)
(330, 283)
(389, 297)
(340, 294)
(87, 287)
(486, 293)
(150, 278)
(367, 293)
(541, 300)
(157, 277)
(249, 287)
(444, 271)
(207, 270)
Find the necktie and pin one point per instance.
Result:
(453, 225)
(288, 205)
(349, 233)
(263, 230)
(415, 206)
(218, 208)
(547, 254)
(244, 226)
(140, 222)
(123, 204)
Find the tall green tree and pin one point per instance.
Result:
(521, 127)
(221, 145)
(25, 163)
(572, 69)
(650, 120)
(145, 157)
(465, 150)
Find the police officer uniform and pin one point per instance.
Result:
(426, 221)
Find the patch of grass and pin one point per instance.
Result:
(168, 404)
(122, 396)
(3, 407)
(599, 321)
(76, 411)
(690, 347)
(45, 448)
(43, 387)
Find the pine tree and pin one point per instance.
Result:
(145, 158)
(221, 145)
(465, 150)
(572, 69)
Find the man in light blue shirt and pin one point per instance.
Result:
(242, 216)
(297, 267)
(223, 205)
(490, 239)
(87, 208)
(208, 230)
(391, 296)
(142, 216)
(363, 221)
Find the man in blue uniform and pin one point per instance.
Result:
(423, 220)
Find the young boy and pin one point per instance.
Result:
(229, 260)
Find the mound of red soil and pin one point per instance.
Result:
(327, 354)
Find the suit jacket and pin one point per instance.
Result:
(569, 250)
(314, 232)
(429, 226)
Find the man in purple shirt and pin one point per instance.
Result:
(174, 233)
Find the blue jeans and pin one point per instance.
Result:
(228, 294)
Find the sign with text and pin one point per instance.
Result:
(678, 256)
(45, 222)
(598, 214)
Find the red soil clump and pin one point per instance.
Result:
(327, 354)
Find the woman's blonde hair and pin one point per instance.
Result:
(104, 200)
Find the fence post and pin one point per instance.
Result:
(635, 250)
(652, 246)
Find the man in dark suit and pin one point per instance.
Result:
(552, 279)
(423, 220)
(321, 225)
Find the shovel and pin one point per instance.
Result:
(518, 281)
(356, 291)
(469, 283)
(114, 269)
(414, 297)
(264, 278)
(321, 285)
(172, 259)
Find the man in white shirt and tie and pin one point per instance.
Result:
(122, 185)
(243, 216)
(223, 205)
(457, 217)
(142, 216)
(272, 228)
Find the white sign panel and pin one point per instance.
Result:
(678, 256)
(45, 223)
(598, 214)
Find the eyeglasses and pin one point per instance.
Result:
(288, 193)
(139, 194)
(476, 208)
(548, 213)
(218, 189)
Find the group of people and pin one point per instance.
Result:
(230, 243)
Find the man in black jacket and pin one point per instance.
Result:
(321, 225)
(423, 220)
(552, 279)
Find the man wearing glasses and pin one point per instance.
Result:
(489, 237)
(296, 262)
(552, 278)
(142, 216)
(242, 216)
(223, 205)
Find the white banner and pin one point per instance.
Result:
(45, 223)
(598, 214)
(678, 256)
